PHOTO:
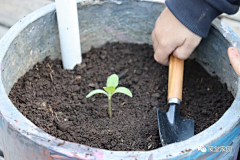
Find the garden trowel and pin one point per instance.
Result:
(173, 128)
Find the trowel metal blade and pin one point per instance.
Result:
(173, 128)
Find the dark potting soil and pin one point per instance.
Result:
(54, 99)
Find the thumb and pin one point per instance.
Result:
(234, 57)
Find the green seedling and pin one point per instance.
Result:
(110, 90)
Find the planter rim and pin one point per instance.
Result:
(69, 149)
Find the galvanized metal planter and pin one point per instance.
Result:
(36, 36)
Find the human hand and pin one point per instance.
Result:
(170, 36)
(234, 57)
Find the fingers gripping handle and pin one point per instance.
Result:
(175, 78)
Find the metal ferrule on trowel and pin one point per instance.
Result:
(173, 104)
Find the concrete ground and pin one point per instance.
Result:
(13, 10)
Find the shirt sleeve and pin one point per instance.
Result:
(197, 15)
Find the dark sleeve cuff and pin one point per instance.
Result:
(196, 15)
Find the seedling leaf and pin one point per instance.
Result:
(97, 91)
(123, 90)
(109, 90)
(112, 81)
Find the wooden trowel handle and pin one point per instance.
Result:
(175, 78)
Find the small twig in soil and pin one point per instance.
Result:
(123, 103)
(50, 67)
(51, 71)
(122, 74)
(50, 109)
(51, 76)
(149, 138)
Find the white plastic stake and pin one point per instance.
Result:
(69, 33)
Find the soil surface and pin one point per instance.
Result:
(54, 99)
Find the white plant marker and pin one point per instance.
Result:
(69, 33)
